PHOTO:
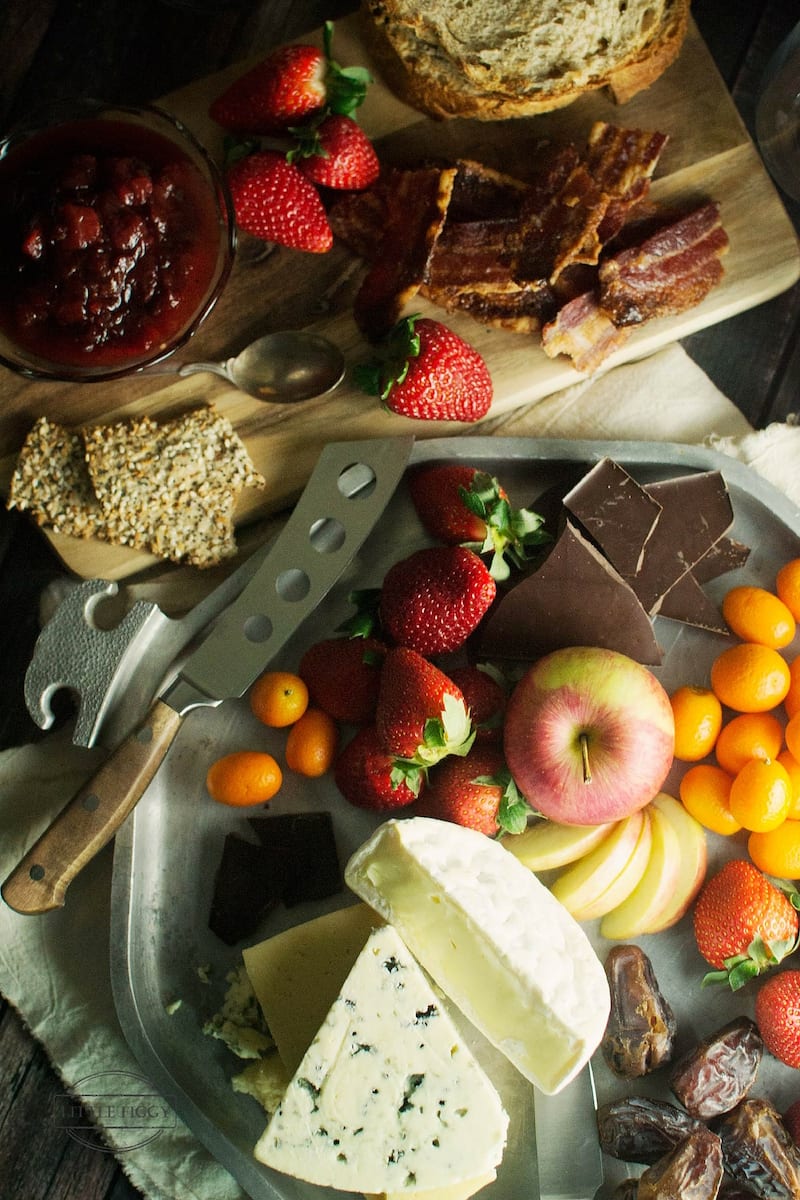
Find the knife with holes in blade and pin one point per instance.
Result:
(344, 498)
(568, 1156)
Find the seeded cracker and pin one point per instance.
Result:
(171, 488)
(51, 481)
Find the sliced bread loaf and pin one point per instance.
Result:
(493, 59)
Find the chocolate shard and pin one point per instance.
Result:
(249, 883)
(574, 598)
(687, 602)
(295, 859)
(306, 841)
(696, 512)
(616, 512)
(725, 555)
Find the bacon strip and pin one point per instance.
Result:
(611, 177)
(416, 205)
(584, 332)
(670, 271)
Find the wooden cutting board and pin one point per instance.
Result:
(709, 154)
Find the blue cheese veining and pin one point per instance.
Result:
(388, 1097)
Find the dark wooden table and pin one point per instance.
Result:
(135, 50)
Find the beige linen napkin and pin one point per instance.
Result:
(54, 968)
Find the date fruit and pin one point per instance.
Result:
(712, 1078)
(759, 1152)
(640, 1130)
(691, 1171)
(641, 1028)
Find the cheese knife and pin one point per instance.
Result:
(568, 1155)
(344, 498)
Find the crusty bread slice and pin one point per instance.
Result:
(495, 59)
(168, 488)
(171, 488)
(51, 482)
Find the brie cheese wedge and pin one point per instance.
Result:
(493, 938)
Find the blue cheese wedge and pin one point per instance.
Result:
(388, 1097)
(493, 938)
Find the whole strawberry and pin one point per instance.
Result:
(337, 154)
(273, 200)
(342, 676)
(370, 778)
(778, 1016)
(421, 715)
(477, 791)
(485, 697)
(743, 924)
(290, 85)
(428, 372)
(434, 599)
(461, 505)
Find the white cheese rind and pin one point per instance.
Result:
(493, 938)
(388, 1097)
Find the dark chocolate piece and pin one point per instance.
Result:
(697, 511)
(307, 841)
(687, 602)
(574, 598)
(725, 555)
(295, 859)
(616, 512)
(249, 883)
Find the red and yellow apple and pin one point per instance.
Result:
(589, 735)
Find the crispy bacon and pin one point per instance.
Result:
(670, 271)
(584, 332)
(608, 180)
(416, 205)
(359, 218)
(520, 309)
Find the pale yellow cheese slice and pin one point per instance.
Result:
(297, 975)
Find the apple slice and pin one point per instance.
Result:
(642, 909)
(586, 880)
(627, 879)
(547, 844)
(692, 863)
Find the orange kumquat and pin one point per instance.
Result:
(748, 677)
(760, 795)
(243, 778)
(311, 744)
(279, 698)
(750, 735)
(791, 701)
(792, 768)
(698, 717)
(705, 793)
(787, 585)
(756, 615)
(777, 852)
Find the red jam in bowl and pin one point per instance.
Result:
(110, 241)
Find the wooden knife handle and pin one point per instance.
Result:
(91, 818)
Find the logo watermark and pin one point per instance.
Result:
(120, 1102)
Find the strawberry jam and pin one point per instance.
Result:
(110, 240)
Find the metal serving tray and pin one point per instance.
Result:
(167, 852)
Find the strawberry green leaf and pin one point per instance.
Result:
(345, 87)
(390, 365)
(511, 534)
(410, 773)
(366, 619)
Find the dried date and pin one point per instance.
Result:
(691, 1171)
(641, 1028)
(717, 1074)
(759, 1151)
(640, 1130)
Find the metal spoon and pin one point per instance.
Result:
(281, 367)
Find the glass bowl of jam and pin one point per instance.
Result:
(117, 237)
